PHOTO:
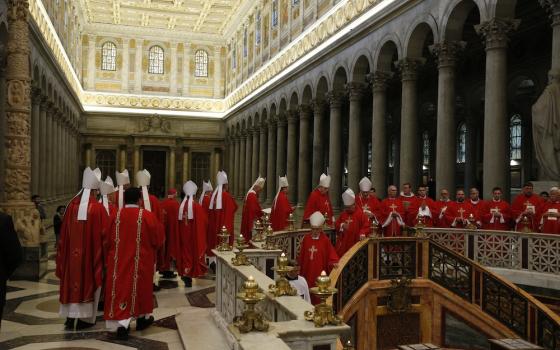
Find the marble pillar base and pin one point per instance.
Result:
(34, 263)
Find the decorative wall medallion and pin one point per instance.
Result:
(399, 295)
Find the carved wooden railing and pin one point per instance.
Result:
(422, 258)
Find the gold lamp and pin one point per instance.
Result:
(374, 233)
(268, 245)
(291, 222)
(240, 258)
(282, 285)
(526, 225)
(258, 237)
(323, 314)
(471, 225)
(223, 245)
(251, 319)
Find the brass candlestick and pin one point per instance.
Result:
(323, 314)
(325, 216)
(419, 228)
(269, 245)
(291, 222)
(223, 246)
(258, 236)
(374, 233)
(470, 222)
(250, 320)
(240, 258)
(266, 219)
(282, 286)
(526, 225)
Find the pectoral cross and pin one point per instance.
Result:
(365, 207)
(312, 250)
(461, 211)
(326, 205)
(393, 207)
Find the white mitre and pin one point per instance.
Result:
(216, 198)
(325, 180)
(206, 187)
(106, 187)
(282, 182)
(189, 188)
(90, 181)
(316, 220)
(122, 179)
(365, 184)
(348, 197)
(143, 180)
(258, 182)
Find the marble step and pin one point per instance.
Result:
(198, 330)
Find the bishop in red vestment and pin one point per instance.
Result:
(134, 238)
(193, 222)
(442, 220)
(496, 214)
(205, 196)
(79, 258)
(222, 213)
(170, 212)
(319, 201)
(367, 201)
(392, 214)
(549, 213)
(352, 224)
(281, 208)
(316, 253)
(251, 209)
(107, 191)
(524, 209)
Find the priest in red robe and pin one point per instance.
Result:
(319, 201)
(476, 206)
(549, 213)
(442, 207)
(367, 201)
(524, 209)
(316, 253)
(134, 238)
(422, 213)
(460, 213)
(407, 199)
(496, 214)
(392, 214)
(352, 224)
(79, 258)
(205, 196)
(170, 252)
(281, 208)
(251, 209)
(222, 213)
(193, 222)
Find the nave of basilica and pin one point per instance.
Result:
(311, 106)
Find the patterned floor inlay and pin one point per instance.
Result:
(167, 322)
(199, 298)
(10, 289)
(168, 284)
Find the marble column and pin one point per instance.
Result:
(496, 131)
(43, 136)
(171, 170)
(217, 71)
(304, 166)
(249, 159)
(271, 173)
(50, 151)
(66, 160)
(125, 67)
(35, 139)
(91, 63)
(237, 167)
(281, 147)
(136, 163)
(173, 75)
(262, 158)
(409, 151)
(446, 143)
(242, 160)
(16, 196)
(186, 68)
(553, 8)
(122, 158)
(336, 100)
(255, 155)
(186, 165)
(318, 141)
(292, 155)
(379, 81)
(58, 156)
(355, 94)
(138, 71)
(87, 155)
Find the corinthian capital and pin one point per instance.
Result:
(495, 32)
(447, 52)
(553, 8)
(408, 67)
(355, 90)
(379, 80)
(335, 98)
(18, 10)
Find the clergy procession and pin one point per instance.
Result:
(114, 239)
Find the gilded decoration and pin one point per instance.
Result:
(155, 123)
(399, 295)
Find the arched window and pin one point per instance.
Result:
(156, 60)
(201, 64)
(274, 13)
(108, 56)
(426, 149)
(392, 152)
(515, 138)
(462, 143)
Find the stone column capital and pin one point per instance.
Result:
(553, 8)
(356, 90)
(281, 120)
(271, 123)
(35, 95)
(447, 52)
(379, 80)
(305, 111)
(293, 115)
(408, 67)
(318, 106)
(495, 32)
(263, 127)
(335, 98)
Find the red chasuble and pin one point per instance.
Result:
(315, 256)
(206, 202)
(459, 213)
(442, 217)
(251, 211)
(407, 203)
(219, 218)
(491, 222)
(428, 213)
(476, 208)
(392, 226)
(358, 224)
(369, 203)
(134, 238)
(158, 212)
(280, 212)
(170, 211)
(79, 258)
(519, 206)
(318, 202)
(192, 242)
(549, 224)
